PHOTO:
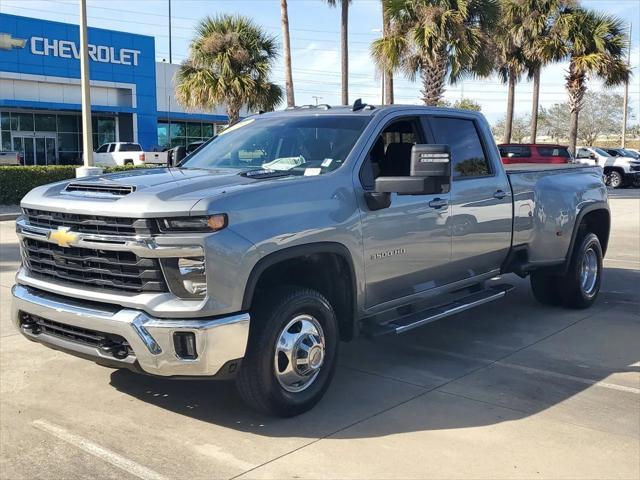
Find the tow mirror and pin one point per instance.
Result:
(430, 171)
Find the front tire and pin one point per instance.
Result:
(291, 354)
(615, 179)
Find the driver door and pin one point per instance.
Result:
(407, 246)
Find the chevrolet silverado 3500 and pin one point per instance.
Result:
(293, 231)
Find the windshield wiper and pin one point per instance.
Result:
(265, 173)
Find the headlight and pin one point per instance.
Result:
(211, 223)
(186, 277)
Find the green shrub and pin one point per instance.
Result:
(16, 181)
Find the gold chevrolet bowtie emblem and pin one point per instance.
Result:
(62, 236)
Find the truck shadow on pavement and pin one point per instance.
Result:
(498, 363)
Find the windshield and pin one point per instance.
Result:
(629, 153)
(599, 151)
(310, 145)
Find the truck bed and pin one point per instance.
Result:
(546, 202)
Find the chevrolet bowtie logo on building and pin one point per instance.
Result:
(7, 42)
(63, 236)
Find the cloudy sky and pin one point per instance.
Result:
(316, 47)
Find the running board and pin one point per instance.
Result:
(417, 319)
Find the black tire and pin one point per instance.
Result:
(616, 179)
(546, 289)
(575, 294)
(257, 381)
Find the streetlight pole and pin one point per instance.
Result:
(625, 105)
(170, 57)
(87, 134)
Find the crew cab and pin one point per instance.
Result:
(533, 153)
(378, 220)
(118, 154)
(619, 170)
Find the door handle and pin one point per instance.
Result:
(438, 203)
(500, 194)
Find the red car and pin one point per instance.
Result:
(534, 153)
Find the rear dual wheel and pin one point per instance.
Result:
(579, 286)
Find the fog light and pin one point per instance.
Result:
(193, 275)
(185, 345)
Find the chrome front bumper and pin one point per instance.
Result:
(218, 340)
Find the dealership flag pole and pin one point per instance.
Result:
(87, 135)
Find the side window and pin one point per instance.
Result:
(515, 151)
(112, 147)
(467, 155)
(103, 148)
(554, 152)
(583, 153)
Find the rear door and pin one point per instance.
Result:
(481, 210)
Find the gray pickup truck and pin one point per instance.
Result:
(293, 231)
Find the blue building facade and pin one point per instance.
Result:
(40, 91)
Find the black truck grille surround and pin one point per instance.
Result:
(91, 223)
(96, 268)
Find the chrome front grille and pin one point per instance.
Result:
(98, 268)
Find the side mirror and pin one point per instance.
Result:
(430, 172)
(592, 156)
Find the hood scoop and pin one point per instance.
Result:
(104, 190)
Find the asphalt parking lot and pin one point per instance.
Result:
(509, 390)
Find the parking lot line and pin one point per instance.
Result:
(525, 369)
(96, 450)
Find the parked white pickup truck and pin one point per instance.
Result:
(126, 153)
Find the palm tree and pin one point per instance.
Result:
(388, 75)
(512, 61)
(344, 45)
(286, 41)
(595, 44)
(230, 60)
(438, 40)
(535, 22)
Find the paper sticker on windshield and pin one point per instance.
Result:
(326, 162)
(237, 126)
(309, 172)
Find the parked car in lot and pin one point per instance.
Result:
(394, 217)
(533, 153)
(118, 154)
(623, 152)
(619, 171)
(11, 158)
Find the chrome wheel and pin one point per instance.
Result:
(615, 179)
(299, 353)
(589, 272)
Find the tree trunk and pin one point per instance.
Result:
(288, 76)
(388, 76)
(233, 111)
(433, 78)
(508, 123)
(535, 105)
(344, 47)
(576, 89)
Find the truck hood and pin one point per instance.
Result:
(155, 191)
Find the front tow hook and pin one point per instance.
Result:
(116, 350)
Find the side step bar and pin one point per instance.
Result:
(417, 319)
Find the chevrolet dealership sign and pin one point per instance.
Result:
(69, 49)
(97, 53)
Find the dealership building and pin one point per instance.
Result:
(131, 94)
